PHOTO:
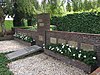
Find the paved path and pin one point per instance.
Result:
(40, 64)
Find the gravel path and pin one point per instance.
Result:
(6, 46)
(40, 64)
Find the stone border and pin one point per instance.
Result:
(76, 63)
(7, 37)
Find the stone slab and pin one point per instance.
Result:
(73, 43)
(53, 40)
(41, 24)
(87, 47)
(40, 38)
(23, 52)
(61, 41)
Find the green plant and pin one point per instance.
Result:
(87, 22)
(88, 57)
(4, 70)
(23, 37)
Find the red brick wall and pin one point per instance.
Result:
(92, 39)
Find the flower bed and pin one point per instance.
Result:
(24, 39)
(85, 60)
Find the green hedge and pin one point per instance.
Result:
(88, 22)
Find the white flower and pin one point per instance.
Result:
(70, 46)
(50, 47)
(57, 49)
(94, 57)
(44, 47)
(76, 48)
(33, 40)
(61, 52)
(62, 43)
(79, 55)
(25, 38)
(69, 49)
(67, 45)
(63, 46)
(80, 51)
(15, 34)
(43, 44)
(73, 54)
(84, 56)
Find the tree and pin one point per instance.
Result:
(2, 18)
(75, 5)
(23, 9)
(68, 7)
(98, 3)
(3, 13)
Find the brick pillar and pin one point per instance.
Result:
(43, 24)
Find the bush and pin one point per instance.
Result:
(78, 22)
(88, 57)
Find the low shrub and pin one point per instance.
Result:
(88, 57)
(23, 37)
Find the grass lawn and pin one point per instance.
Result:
(4, 70)
(8, 25)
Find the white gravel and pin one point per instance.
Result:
(39, 64)
(6, 46)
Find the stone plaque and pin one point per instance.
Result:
(61, 41)
(39, 20)
(87, 47)
(40, 38)
(73, 43)
(41, 24)
(53, 40)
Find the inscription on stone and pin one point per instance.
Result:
(53, 40)
(61, 41)
(87, 47)
(39, 20)
(41, 24)
(73, 43)
(40, 38)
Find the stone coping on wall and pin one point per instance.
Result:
(78, 33)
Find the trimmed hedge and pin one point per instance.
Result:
(88, 22)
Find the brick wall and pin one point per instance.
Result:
(85, 41)
(30, 33)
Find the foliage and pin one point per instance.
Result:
(4, 70)
(88, 57)
(8, 24)
(82, 22)
(23, 37)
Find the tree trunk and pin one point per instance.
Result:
(3, 28)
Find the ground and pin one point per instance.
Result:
(39, 64)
